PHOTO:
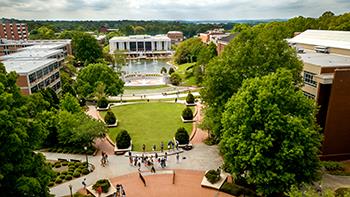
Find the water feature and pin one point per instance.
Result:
(145, 66)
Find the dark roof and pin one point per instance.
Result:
(229, 37)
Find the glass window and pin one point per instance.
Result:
(309, 95)
(32, 77)
(308, 79)
(39, 73)
(34, 89)
(45, 70)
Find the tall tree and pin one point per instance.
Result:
(271, 139)
(42, 33)
(70, 103)
(253, 53)
(86, 48)
(188, 51)
(90, 76)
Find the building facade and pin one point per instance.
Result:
(14, 31)
(326, 74)
(175, 36)
(223, 42)
(141, 45)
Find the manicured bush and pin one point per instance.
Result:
(232, 189)
(163, 70)
(102, 103)
(175, 79)
(213, 176)
(103, 183)
(187, 114)
(64, 173)
(76, 174)
(123, 139)
(110, 118)
(68, 177)
(58, 181)
(51, 184)
(59, 150)
(171, 70)
(85, 171)
(332, 166)
(65, 163)
(190, 98)
(182, 136)
(62, 176)
(57, 165)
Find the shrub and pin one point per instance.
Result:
(51, 184)
(57, 165)
(163, 70)
(181, 136)
(64, 173)
(190, 98)
(110, 118)
(76, 174)
(69, 177)
(59, 150)
(58, 181)
(232, 189)
(171, 70)
(175, 79)
(62, 176)
(65, 163)
(123, 139)
(103, 183)
(333, 166)
(340, 192)
(102, 103)
(213, 176)
(187, 114)
(85, 171)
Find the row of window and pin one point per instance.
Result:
(42, 72)
(140, 46)
(309, 79)
(47, 82)
(309, 95)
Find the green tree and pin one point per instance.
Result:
(119, 59)
(123, 139)
(50, 95)
(110, 118)
(182, 136)
(94, 74)
(42, 33)
(253, 53)
(22, 172)
(86, 48)
(70, 103)
(271, 139)
(175, 79)
(188, 51)
(139, 30)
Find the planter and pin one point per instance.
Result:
(112, 125)
(190, 104)
(119, 151)
(110, 192)
(217, 185)
(186, 121)
(104, 109)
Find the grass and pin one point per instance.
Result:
(186, 74)
(149, 123)
(145, 87)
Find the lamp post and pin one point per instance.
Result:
(70, 188)
(87, 161)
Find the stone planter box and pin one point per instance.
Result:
(186, 121)
(190, 104)
(104, 109)
(217, 185)
(112, 125)
(110, 192)
(118, 151)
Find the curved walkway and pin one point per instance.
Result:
(199, 134)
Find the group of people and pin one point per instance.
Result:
(171, 146)
(148, 161)
(104, 159)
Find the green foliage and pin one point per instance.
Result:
(76, 174)
(110, 118)
(188, 51)
(342, 192)
(332, 166)
(207, 53)
(187, 114)
(50, 96)
(102, 103)
(175, 79)
(42, 33)
(85, 171)
(68, 177)
(213, 176)
(51, 184)
(86, 48)
(181, 136)
(171, 70)
(94, 74)
(312, 191)
(190, 98)
(271, 138)
(253, 53)
(103, 183)
(70, 103)
(163, 70)
(58, 180)
(123, 139)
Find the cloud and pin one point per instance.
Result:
(168, 9)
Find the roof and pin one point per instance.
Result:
(324, 60)
(44, 46)
(175, 32)
(228, 38)
(26, 66)
(31, 54)
(335, 39)
(141, 38)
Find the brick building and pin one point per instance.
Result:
(14, 31)
(175, 36)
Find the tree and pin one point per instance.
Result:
(139, 30)
(70, 103)
(119, 59)
(110, 118)
(175, 79)
(187, 114)
(190, 98)
(102, 103)
(253, 53)
(163, 70)
(78, 130)
(182, 136)
(171, 70)
(188, 51)
(90, 76)
(86, 48)
(42, 33)
(50, 95)
(271, 139)
(22, 172)
(123, 139)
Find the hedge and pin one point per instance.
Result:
(76, 174)
(190, 98)
(187, 114)
(123, 139)
(213, 176)
(182, 136)
(68, 177)
(110, 118)
(58, 181)
(102, 103)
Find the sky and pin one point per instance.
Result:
(168, 9)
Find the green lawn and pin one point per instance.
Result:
(145, 87)
(181, 70)
(149, 123)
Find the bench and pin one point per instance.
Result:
(75, 160)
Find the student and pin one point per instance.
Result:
(161, 147)
(144, 147)
(177, 157)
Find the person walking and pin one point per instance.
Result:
(144, 147)
(177, 145)
(154, 148)
(177, 157)
(161, 147)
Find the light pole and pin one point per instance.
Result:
(87, 161)
(70, 188)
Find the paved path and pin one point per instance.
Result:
(199, 135)
(201, 157)
(155, 96)
(335, 182)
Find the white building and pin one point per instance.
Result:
(139, 45)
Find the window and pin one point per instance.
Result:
(163, 45)
(308, 79)
(309, 95)
(34, 89)
(39, 73)
(46, 70)
(132, 46)
(32, 77)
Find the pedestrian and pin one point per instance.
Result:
(166, 156)
(129, 153)
(175, 100)
(177, 145)
(161, 147)
(177, 157)
(156, 155)
(139, 164)
(154, 148)
(106, 158)
(135, 161)
(130, 161)
(144, 147)
(84, 183)
(153, 170)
